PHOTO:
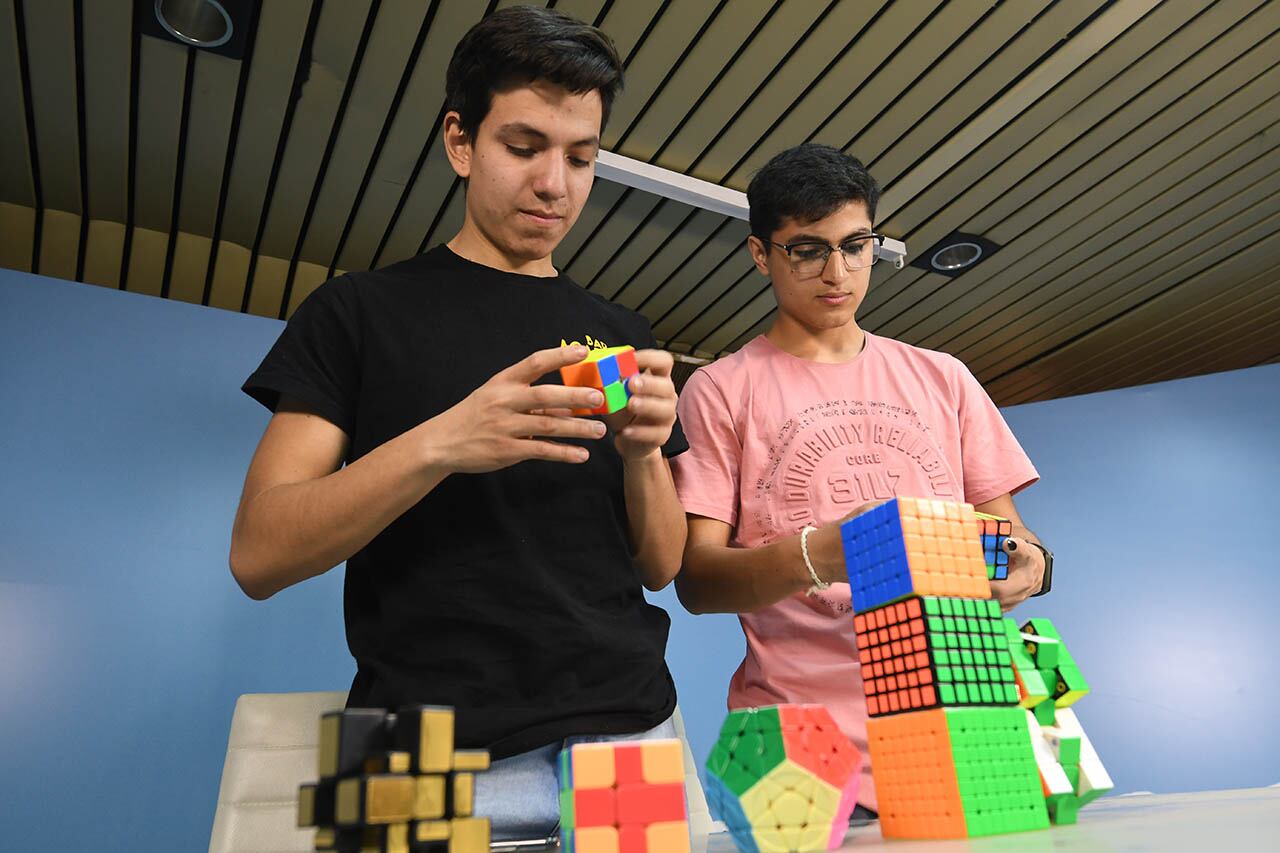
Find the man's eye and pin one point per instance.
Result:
(520, 152)
(579, 163)
(807, 253)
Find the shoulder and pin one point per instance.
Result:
(726, 379)
(941, 365)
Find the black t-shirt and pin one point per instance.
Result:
(510, 595)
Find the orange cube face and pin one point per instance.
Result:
(913, 546)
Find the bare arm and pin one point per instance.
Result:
(1026, 564)
(301, 513)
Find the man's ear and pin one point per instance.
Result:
(457, 144)
(759, 254)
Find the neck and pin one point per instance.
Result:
(474, 245)
(836, 345)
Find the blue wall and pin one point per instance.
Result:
(124, 641)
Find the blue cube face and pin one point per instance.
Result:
(608, 368)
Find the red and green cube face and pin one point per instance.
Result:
(929, 652)
(913, 546)
(606, 370)
(623, 797)
(783, 778)
(956, 773)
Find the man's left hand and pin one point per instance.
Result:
(645, 424)
(1026, 573)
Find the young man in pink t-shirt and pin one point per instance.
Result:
(811, 422)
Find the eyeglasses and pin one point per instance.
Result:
(809, 258)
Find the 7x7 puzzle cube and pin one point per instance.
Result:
(606, 370)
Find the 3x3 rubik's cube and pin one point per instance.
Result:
(623, 797)
(393, 783)
(970, 732)
(606, 370)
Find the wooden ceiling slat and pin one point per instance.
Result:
(787, 116)
(1121, 250)
(653, 59)
(433, 182)
(147, 250)
(1038, 145)
(762, 304)
(884, 154)
(16, 187)
(281, 27)
(190, 265)
(624, 222)
(1254, 219)
(722, 290)
(104, 250)
(625, 23)
(18, 225)
(643, 244)
(635, 283)
(1021, 100)
(1189, 314)
(450, 222)
(710, 56)
(1102, 194)
(1132, 271)
(394, 35)
(604, 195)
(51, 57)
(59, 246)
(108, 30)
(943, 45)
(711, 255)
(315, 118)
(413, 125)
(750, 71)
(162, 75)
(758, 328)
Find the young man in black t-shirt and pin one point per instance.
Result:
(495, 544)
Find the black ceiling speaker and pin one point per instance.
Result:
(218, 26)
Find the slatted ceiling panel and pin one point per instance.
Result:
(15, 178)
(449, 222)
(50, 38)
(340, 31)
(623, 222)
(778, 30)
(1145, 350)
(669, 324)
(717, 338)
(627, 22)
(652, 60)
(988, 40)
(1105, 189)
(108, 30)
(412, 124)
(718, 47)
(583, 10)
(306, 278)
(391, 47)
(210, 116)
(716, 252)
(282, 25)
(631, 282)
(604, 195)
(737, 286)
(59, 242)
(18, 225)
(1122, 277)
(667, 218)
(876, 44)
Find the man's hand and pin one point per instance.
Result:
(645, 424)
(826, 549)
(508, 419)
(1026, 573)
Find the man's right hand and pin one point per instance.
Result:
(509, 420)
(826, 549)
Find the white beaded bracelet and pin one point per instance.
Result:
(818, 584)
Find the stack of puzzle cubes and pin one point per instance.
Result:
(393, 783)
(606, 370)
(954, 751)
(783, 778)
(623, 797)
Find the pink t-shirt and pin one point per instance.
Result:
(777, 442)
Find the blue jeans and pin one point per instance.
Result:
(521, 794)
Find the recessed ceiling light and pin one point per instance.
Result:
(199, 23)
(955, 254)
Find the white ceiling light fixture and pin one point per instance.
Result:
(955, 254)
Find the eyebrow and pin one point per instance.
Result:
(814, 238)
(522, 129)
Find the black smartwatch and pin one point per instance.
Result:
(1047, 583)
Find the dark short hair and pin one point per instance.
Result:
(807, 183)
(521, 44)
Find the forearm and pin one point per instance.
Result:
(294, 531)
(724, 579)
(655, 519)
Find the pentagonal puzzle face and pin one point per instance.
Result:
(926, 652)
(783, 778)
(913, 546)
(623, 797)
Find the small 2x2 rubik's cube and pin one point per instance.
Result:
(606, 370)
